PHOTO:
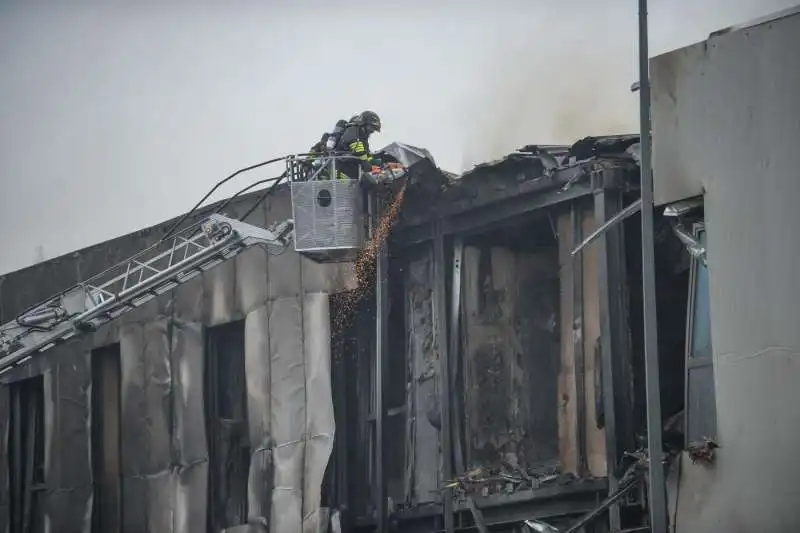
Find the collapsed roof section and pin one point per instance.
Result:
(530, 177)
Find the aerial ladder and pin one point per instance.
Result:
(173, 261)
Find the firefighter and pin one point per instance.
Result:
(327, 143)
(354, 141)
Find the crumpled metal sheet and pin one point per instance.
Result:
(67, 502)
(187, 394)
(320, 424)
(300, 408)
(423, 473)
(259, 386)
(133, 443)
(189, 436)
(190, 498)
(406, 154)
(288, 414)
(163, 424)
(4, 481)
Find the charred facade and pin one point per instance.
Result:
(491, 373)
(514, 370)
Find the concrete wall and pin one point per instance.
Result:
(284, 302)
(727, 123)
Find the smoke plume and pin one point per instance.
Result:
(558, 85)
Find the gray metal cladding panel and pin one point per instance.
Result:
(327, 214)
(4, 488)
(70, 463)
(66, 510)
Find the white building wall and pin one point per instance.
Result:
(726, 124)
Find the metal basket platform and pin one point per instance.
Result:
(328, 219)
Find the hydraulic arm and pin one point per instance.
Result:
(132, 283)
(200, 247)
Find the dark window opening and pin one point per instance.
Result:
(350, 475)
(395, 386)
(701, 418)
(672, 277)
(26, 455)
(348, 482)
(226, 426)
(106, 439)
(685, 362)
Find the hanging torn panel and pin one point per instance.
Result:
(423, 472)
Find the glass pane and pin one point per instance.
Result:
(701, 407)
(701, 325)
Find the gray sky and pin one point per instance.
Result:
(114, 117)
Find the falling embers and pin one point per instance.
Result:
(364, 265)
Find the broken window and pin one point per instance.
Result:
(26, 455)
(226, 426)
(106, 439)
(701, 417)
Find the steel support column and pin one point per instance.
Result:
(454, 354)
(614, 339)
(381, 347)
(440, 332)
(657, 489)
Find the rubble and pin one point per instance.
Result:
(503, 478)
(702, 451)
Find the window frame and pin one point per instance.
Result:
(692, 362)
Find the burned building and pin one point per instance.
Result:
(490, 372)
(502, 320)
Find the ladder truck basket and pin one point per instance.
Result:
(328, 219)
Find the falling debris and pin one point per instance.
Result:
(364, 265)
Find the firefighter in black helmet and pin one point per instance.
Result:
(355, 140)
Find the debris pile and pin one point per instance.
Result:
(702, 451)
(486, 480)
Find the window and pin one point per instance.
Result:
(226, 426)
(701, 417)
(106, 439)
(26, 454)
